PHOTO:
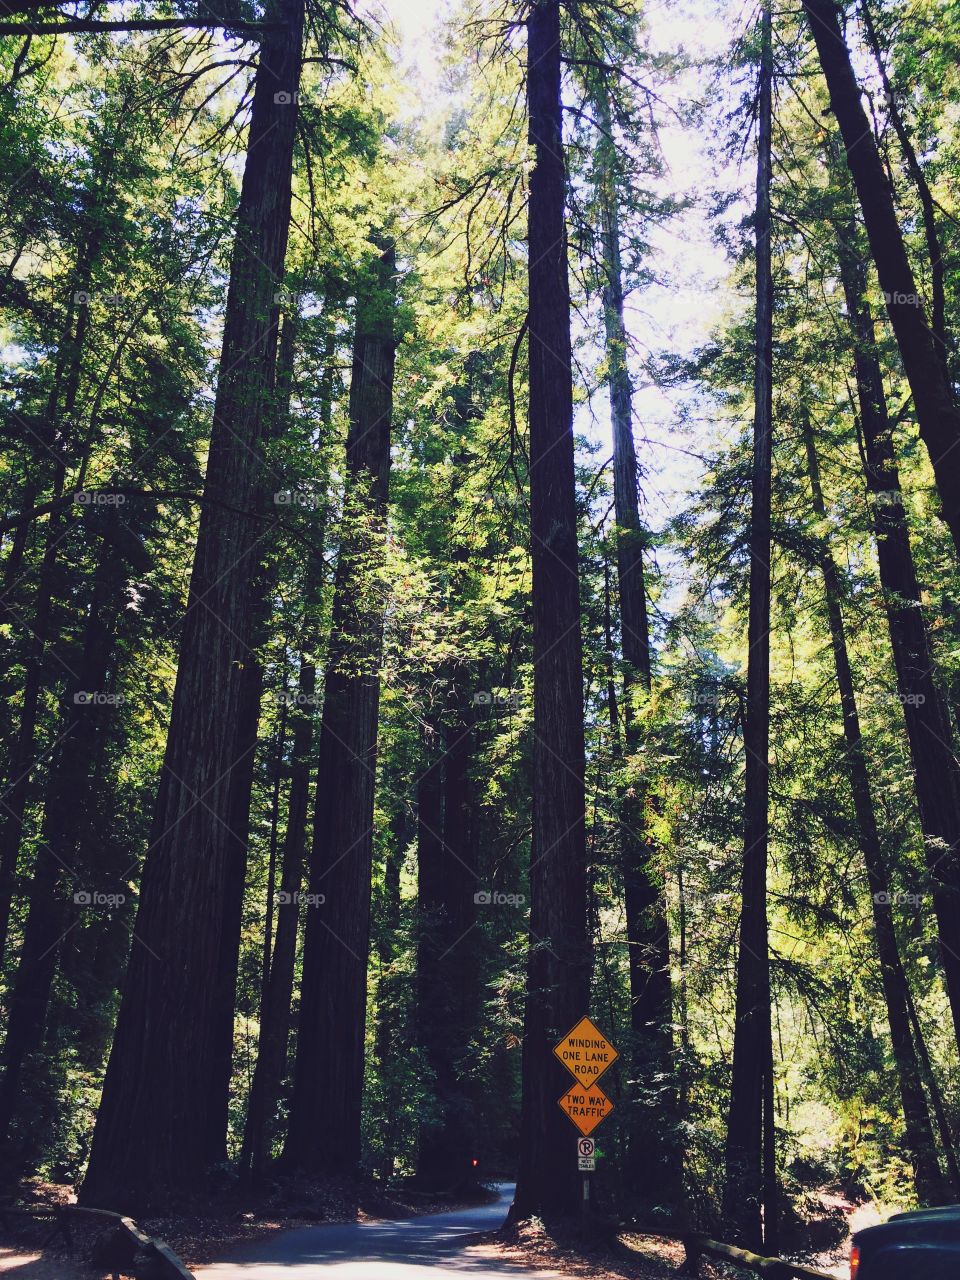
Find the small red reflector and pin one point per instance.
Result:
(854, 1261)
(474, 1162)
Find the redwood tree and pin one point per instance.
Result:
(748, 1200)
(926, 714)
(447, 981)
(928, 1178)
(324, 1130)
(153, 1132)
(559, 958)
(938, 417)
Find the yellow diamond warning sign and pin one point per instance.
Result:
(586, 1107)
(586, 1053)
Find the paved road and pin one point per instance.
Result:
(431, 1247)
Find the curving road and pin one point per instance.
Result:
(432, 1247)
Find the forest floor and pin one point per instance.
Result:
(823, 1242)
(641, 1257)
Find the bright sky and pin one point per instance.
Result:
(414, 17)
(417, 23)
(678, 314)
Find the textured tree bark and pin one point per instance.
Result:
(929, 728)
(153, 1130)
(937, 415)
(747, 1203)
(558, 979)
(447, 1005)
(324, 1130)
(243, 773)
(930, 1184)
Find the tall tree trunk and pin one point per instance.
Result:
(243, 774)
(558, 978)
(447, 1006)
(938, 417)
(153, 1129)
(938, 299)
(654, 1163)
(929, 728)
(324, 1130)
(928, 1178)
(55, 873)
(747, 1204)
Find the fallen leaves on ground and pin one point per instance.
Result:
(634, 1257)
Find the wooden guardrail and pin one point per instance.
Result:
(697, 1247)
(125, 1251)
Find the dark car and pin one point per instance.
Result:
(923, 1245)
